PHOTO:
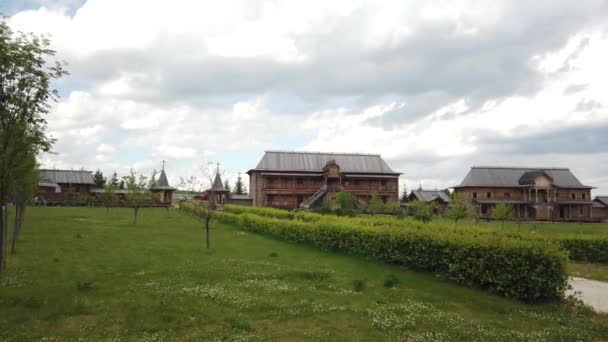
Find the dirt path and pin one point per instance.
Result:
(592, 292)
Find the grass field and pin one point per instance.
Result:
(81, 274)
(551, 228)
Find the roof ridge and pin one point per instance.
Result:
(520, 167)
(320, 152)
(64, 170)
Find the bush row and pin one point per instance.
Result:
(528, 270)
(589, 248)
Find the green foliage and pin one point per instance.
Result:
(98, 179)
(376, 206)
(529, 270)
(345, 200)
(393, 208)
(458, 208)
(227, 185)
(390, 281)
(404, 194)
(114, 180)
(153, 181)
(325, 207)
(503, 212)
(137, 193)
(108, 196)
(239, 186)
(422, 211)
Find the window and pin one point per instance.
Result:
(484, 209)
(356, 182)
(507, 195)
(474, 195)
(488, 195)
(584, 196)
(557, 195)
(573, 196)
(300, 181)
(383, 182)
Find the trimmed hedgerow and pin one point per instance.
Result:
(589, 248)
(529, 270)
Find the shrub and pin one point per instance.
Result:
(273, 255)
(359, 285)
(529, 270)
(391, 280)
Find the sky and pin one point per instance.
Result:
(435, 87)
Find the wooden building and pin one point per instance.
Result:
(599, 208)
(534, 193)
(291, 180)
(440, 198)
(59, 185)
(163, 192)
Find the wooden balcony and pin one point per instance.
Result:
(292, 186)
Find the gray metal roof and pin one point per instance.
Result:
(163, 182)
(218, 185)
(515, 176)
(315, 161)
(66, 176)
(431, 195)
(601, 201)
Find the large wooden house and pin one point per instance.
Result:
(599, 208)
(59, 185)
(291, 180)
(534, 193)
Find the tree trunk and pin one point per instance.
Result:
(107, 211)
(135, 211)
(2, 228)
(15, 227)
(207, 219)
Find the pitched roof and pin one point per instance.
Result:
(66, 176)
(163, 182)
(431, 195)
(315, 161)
(600, 201)
(518, 176)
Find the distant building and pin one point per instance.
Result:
(599, 207)
(291, 180)
(55, 185)
(441, 198)
(163, 192)
(534, 193)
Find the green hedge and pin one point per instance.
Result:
(589, 248)
(529, 270)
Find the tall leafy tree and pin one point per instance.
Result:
(26, 73)
(108, 196)
(376, 206)
(423, 211)
(153, 181)
(239, 187)
(227, 186)
(114, 180)
(98, 179)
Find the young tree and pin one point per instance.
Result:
(404, 194)
(153, 181)
(98, 179)
(22, 190)
(423, 211)
(346, 203)
(376, 206)
(458, 208)
(208, 173)
(108, 197)
(121, 184)
(25, 95)
(239, 187)
(503, 212)
(137, 194)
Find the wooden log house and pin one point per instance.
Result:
(291, 180)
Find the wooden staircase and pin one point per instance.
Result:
(314, 197)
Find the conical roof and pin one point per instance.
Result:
(163, 182)
(217, 185)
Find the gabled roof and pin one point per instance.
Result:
(431, 195)
(163, 182)
(600, 202)
(66, 176)
(518, 176)
(315, 161)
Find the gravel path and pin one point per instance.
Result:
(592, 292)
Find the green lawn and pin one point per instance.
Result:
(80, 273)
(535, 226)
(589, 270)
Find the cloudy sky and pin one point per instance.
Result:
(433, 86)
